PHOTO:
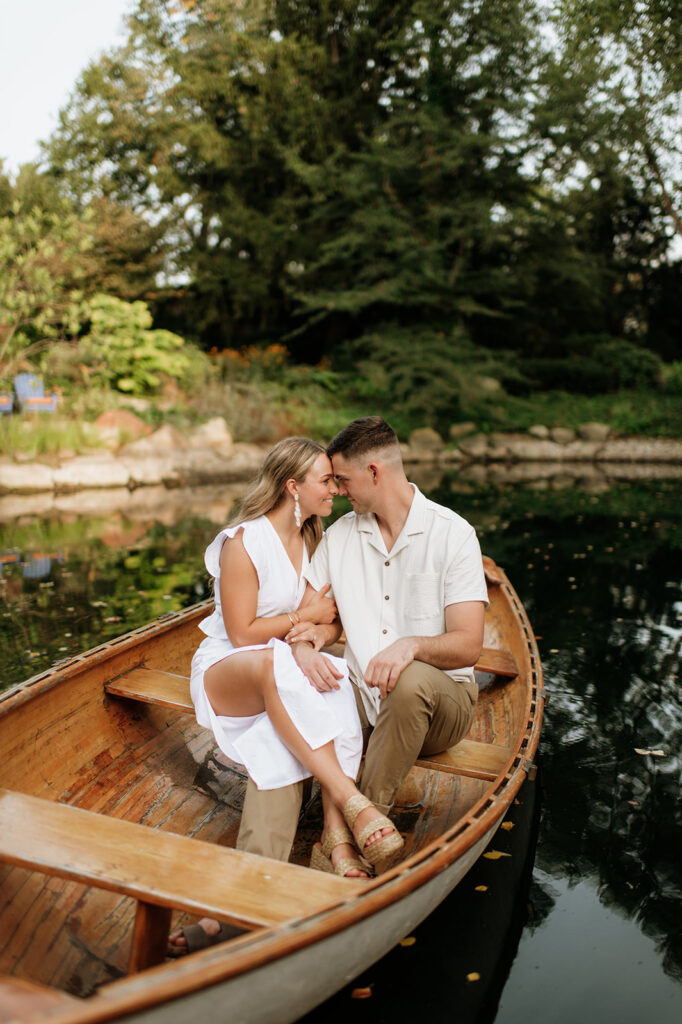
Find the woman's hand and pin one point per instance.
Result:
(320, 608)
(307, 632)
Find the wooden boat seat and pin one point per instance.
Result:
(23, 1000)
(161, 870)
(469, 757)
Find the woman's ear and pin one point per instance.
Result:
(292, 487)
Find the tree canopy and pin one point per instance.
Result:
(340, 174)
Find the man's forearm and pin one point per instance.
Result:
(448, 651)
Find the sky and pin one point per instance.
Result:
(44, 46)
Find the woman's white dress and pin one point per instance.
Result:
(319, 717)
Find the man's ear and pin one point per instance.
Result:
(374, 469)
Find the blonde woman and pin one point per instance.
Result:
(245, 682)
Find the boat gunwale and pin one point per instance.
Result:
(165, 982)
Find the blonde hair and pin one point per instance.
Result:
(289, 459)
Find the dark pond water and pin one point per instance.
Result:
(584, 919)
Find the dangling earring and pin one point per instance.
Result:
(297, 512)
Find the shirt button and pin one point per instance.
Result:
(386, 597)
(384, 631)
(387, 563)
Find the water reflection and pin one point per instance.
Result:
(599, 571)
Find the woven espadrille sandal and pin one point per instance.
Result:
(383, 848)
(321, 855)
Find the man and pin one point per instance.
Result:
(407, 578)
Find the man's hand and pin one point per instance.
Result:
(320, 671)
(385, 667)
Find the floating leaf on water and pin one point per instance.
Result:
(653, 753)
(113, 618)
(473, 976)
(408, 941)
(507, 825)
(554, 650)
(98, 604)
(481, 888)
(495, 854)
(634, 803)
(361, 993)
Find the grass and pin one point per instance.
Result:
(644, 413)
(44, 434)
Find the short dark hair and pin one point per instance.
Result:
(362, 435)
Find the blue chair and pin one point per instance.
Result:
(6, 402)
(31, 396)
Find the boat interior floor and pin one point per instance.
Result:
(163, 771)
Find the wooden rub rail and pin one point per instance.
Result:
(160, 870)
(469, 757)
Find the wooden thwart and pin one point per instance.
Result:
(469, 757)
(477, 760)
(160, 870)
(153, 686)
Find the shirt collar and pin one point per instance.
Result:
(367, 523)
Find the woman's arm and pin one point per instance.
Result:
(318, 634)
(239, 600)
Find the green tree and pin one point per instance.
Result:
(41, 268)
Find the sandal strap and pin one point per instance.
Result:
(346, 864)
(375, 825)
(353, 806)
(336, 837)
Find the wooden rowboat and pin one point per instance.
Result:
(118, 818)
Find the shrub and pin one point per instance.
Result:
(121, 350)
(632, 365)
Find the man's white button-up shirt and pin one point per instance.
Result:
(385, 595)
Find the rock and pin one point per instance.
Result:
(489, 385)
(562, 435)
(594, 431)
(213, 434)
(641, 449)
(29, 479)
(461, 430)
(539, 431)
(475, 447)
(426, 440)
(115, 424)
(91, 472)
(148, 470)
(530, 449)
(165, 439)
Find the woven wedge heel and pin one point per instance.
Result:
(321, 855)
(382, 849)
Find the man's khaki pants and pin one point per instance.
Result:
(425, 713)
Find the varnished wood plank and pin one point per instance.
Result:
(498, 663)
(468, 757)
(24, 1000)
(150, 936)
(153, 687)
(160, 867)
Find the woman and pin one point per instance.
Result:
(245, 682)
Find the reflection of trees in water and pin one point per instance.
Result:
(99, 590)
(612, 616)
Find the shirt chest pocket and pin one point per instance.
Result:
(424, 595)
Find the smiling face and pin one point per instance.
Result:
(356, 482)
(316, 492)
